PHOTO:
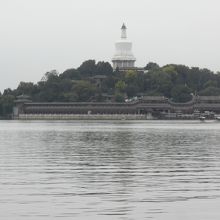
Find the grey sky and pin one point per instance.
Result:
(40, 35)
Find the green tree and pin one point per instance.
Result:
(88, 68)
(131, 90)
(160, 82)
(71, 74)
(181, 93)
(49, 90)
(171, 71)
(104, 68)
(26, 88)
(152, 66)
(210, 91)
(130, 76)
(211, 83)
(8, 91)
(120, 86)
(51, 75)
(84, 90)
(70, 97)
(7, 103)
(1, 109)
(183, 73)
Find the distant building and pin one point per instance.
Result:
(158, 106)
(123, 58)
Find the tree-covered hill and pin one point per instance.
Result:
(99, 83)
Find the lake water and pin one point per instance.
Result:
(162, 170)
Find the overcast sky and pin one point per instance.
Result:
(37, 36)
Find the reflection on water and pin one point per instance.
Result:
(109, 170)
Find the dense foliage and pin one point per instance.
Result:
(98, 82)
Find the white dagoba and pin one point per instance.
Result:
(123, 57)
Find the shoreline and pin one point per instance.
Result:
(100, 117)
(79, 117)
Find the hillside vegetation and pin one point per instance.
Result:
(98, 82)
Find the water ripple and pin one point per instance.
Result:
(109, 170)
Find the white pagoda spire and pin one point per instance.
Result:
(123, 32)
